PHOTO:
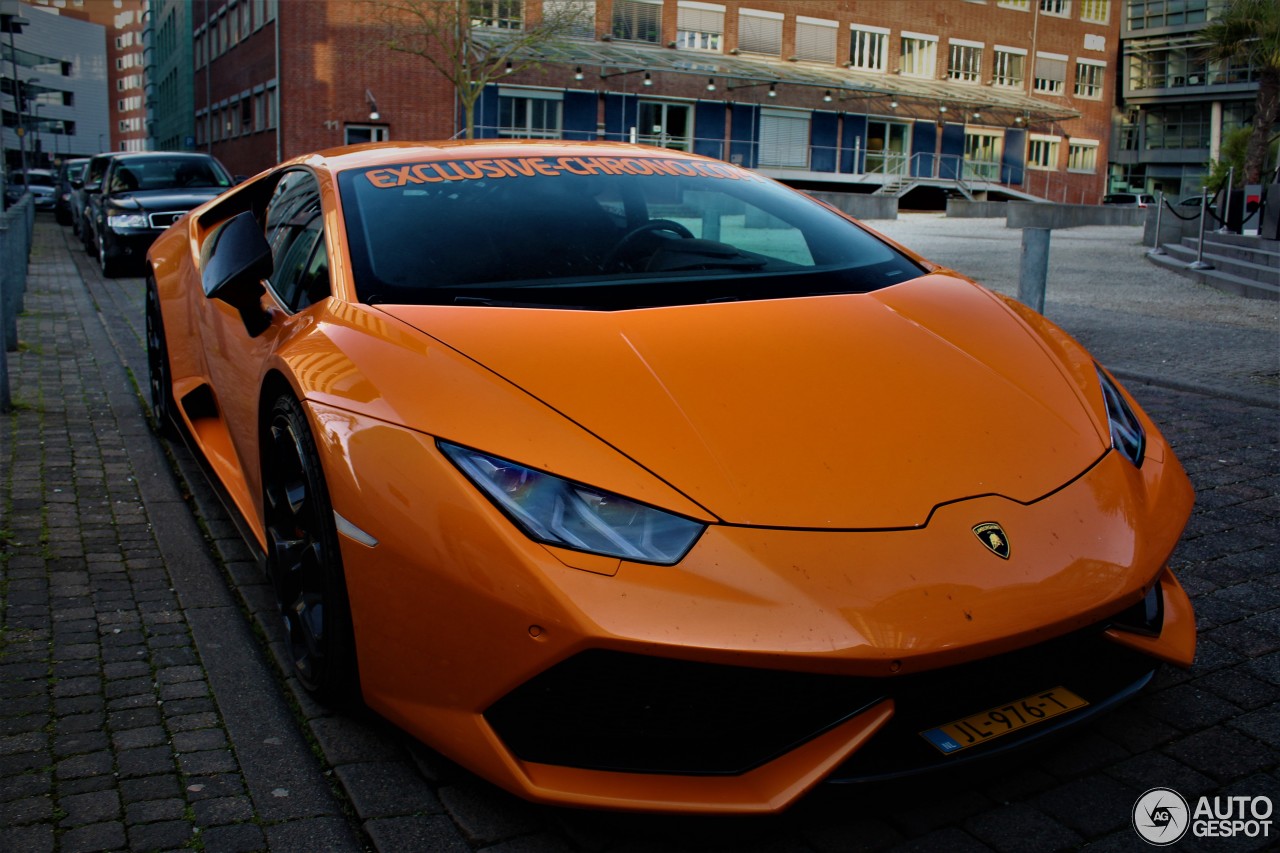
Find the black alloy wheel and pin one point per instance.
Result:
(303, 558)
(158, 375)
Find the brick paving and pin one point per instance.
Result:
(142, 705)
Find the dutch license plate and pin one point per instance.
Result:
(987, 725)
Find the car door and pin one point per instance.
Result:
(237, 360)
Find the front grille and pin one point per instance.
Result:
(164, 220)
(607, 710)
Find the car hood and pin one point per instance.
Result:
(859, 411)
(159, 200)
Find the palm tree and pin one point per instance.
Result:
(1249, 31)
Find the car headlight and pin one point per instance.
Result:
(571, 515)
(128, 220)
(1127, 435)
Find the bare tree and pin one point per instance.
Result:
(471, 43)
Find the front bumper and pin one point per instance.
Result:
(762, 664)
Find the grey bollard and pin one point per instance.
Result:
(1034, 272)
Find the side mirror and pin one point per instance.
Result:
(233, 262)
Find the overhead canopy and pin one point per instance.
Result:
(851, 90)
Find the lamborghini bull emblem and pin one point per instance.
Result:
(993, 536)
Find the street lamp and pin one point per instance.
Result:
(21, 95)
(35, 145)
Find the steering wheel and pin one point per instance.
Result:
(611, 258)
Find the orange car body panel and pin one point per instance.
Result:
(840, 535)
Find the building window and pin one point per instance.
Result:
(1051, 73)
(246, 115)
(699, 26)
(919, 55)
(815, 39)
(965, 63)
(246, 24)
(497, 14)
(666, 125)
(1177, 127)
(784, 138)
(1095, 11)
(760, 32)
(1009, 67)
(1082, 155)
(233, 27)
(260, 111)
(1042, 152)
(529, 115)
(271, 107)
(1056, 8)
(983, 150)
(868, 48)
(1090, 75)
(354, 134)
(1151, 14)
(637, 20)
(1020, 5)
(574, 18)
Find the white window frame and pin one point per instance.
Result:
(1049, 85)
(1043, 152)
(1055, 8)
(1090, 84)
(868, 48)
(760, 29)
(1085, 150)
(816, 39)
(923, 64)
(784, 138)
(637, 9)
(491, 17)
(1017, 5)
(964, 62)
(1095, 11)
(1001, 74)
(577, 17)
(377, 132)
(699, 26)
(533, 98)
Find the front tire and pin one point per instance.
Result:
(109, 264)
(303, 558)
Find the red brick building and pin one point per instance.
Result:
(1011, 97)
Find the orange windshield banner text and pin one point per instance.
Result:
(438, 171)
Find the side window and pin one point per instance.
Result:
(295, 231)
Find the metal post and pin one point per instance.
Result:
(6, 402)
(1034, 272)
(1226, 208)
(1200, 263)
(1156, 248)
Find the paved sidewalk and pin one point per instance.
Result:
(142, 704)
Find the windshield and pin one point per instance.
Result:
(165, 173)
(598, 233)
(34, 179)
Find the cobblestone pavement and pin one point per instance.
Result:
(142, 704)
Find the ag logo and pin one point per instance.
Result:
(1161, 817)
(993, 536)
